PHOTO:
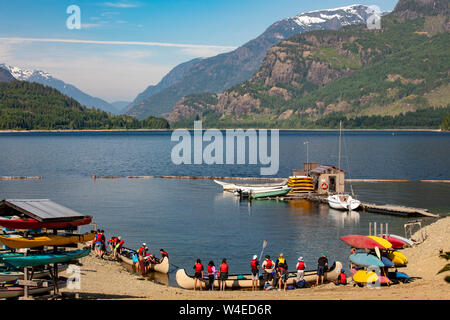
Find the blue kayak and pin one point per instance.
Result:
(366, 260)
(387, 263)
(45, 258)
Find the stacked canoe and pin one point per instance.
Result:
(372, 266)
(301, 184)
(26, 247)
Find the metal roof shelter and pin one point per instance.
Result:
(40, 209)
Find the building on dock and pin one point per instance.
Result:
(327, 179)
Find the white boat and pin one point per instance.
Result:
(342, 201)
(247, 189)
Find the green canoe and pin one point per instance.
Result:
(269, 193)
(45, 258)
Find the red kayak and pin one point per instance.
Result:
(34, 224)
(396, 243)
(366, 242)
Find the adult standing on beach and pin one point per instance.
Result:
(118, 246)
(211, 274)
(268, 266)
(223, 274)
(281, 271)
(254, 268)
(300, 269)
(142, 251)
(198, 267)
(322, 264)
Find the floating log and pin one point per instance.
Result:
(436, 181)
(14, 178)
(223, 178)
(125, 177)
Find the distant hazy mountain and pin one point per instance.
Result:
(5, 76)
(120, 106)
(65, 88)
(223, 71)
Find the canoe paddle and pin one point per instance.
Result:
(263, 247)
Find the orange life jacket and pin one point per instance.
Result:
(301, 266)
(198, 267)
(223, 268)
(343, 278)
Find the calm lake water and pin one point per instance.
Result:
(194, 219)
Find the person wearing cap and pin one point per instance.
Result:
(254, 266)
(322, 264)
(342, 278)
(142, 251)
(281, 274)
(300, 267)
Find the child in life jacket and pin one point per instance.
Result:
(342, 278)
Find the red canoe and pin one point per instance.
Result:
(34, 224)
(363, 242)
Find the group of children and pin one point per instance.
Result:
(115, 244)
(275, 272)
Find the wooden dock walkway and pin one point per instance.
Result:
(367, 207)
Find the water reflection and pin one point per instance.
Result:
(344, 218)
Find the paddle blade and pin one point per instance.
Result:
(377, 251)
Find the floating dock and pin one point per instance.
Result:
(366, 207)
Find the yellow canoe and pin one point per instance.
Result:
(47, 240)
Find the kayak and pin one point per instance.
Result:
(45, 258)
(398, 242)
(18, 291)
(366, 260)
(387, 262)
(45, 240)
(398, 258)
(366, 242)
(11, 275)
(127, 256)
(34, 224)
(362, 276)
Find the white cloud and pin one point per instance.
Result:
(122, 5)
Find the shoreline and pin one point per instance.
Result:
(105, 280)
(170, 130)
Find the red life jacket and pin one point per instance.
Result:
(121, 242)
(268, 264)
(253, 263)
(198, 267)
(164, 254)
(223, 268)
(343, 278)
(301, 266)
(98, 237)
(210, 271)
(141, 251)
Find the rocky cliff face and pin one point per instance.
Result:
(223, 71)
(353, 71)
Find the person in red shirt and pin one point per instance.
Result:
(198, 267)
(118, 246)
(223, 274)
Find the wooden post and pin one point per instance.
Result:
(381, 229)
(387, 228)
(370, 228)
(375, 228)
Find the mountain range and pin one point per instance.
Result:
(218, 73)
(47, 79)
(351, 73)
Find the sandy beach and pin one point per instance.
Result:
(108, 279)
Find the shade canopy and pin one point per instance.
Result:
(40, 209)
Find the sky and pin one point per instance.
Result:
(123, 46)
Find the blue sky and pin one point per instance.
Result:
(110, 66)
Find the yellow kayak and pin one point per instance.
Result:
(381, 241)
(362, 276)
(47, 240)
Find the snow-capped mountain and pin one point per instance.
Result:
(219, 73)
(47, 79)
